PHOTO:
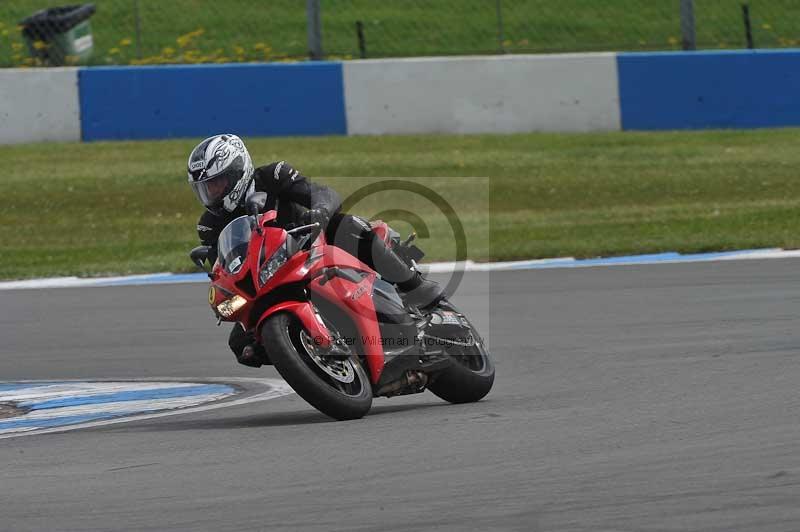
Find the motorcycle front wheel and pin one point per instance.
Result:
(333, 381)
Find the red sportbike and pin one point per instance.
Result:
(336, 332)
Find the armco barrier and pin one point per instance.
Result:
(700, 90)
(519, 93)
(194, 101)
(39, 105)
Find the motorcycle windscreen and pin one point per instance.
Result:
(232, 244)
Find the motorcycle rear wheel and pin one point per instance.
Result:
(281, 336)
(471, 377)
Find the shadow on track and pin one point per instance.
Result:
(278, 419)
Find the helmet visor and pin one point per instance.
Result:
(212, 191)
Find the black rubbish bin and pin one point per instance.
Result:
(60, 35)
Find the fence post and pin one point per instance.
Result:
(138, 17)
(748, 27)
(362, 41)
(688, 37)
(500, 31)
(314, 15)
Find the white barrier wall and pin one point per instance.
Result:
(507, 94)
(39, 105)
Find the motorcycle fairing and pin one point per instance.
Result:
(354, 299)
(372, 304)
(305, 312)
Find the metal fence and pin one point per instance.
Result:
(204, 31)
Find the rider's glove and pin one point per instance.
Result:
(311, 216)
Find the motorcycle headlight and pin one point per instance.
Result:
(231, 306)
(274, 263)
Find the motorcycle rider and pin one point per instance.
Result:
(222, 175)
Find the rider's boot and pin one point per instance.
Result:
(417, 290)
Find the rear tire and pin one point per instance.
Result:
(460, 384)
(471, 376)
(280, 336)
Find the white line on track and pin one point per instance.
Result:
(275, 388)
(62, 390)
(434, 267)
(122, 407)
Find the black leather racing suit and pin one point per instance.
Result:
(288, 191)
(292, 194)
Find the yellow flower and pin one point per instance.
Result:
(39, 45)
(673, 41)
(125, 42)
(113, 51)
(16, 46)
(259, 46)
(186, 39)
(168, 51)
(239, 50)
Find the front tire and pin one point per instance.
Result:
(281, 336)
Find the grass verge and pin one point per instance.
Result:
(118, 208)
(192, 31)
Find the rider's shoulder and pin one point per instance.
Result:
(279, 172)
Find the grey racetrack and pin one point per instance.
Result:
(657, 398)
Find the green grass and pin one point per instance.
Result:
(238, 30)
(106, 208)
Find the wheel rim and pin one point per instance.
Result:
(472, 358)
(336, 362)
(337, 366)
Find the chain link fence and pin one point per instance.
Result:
(206, 31)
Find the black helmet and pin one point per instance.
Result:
(221, 173)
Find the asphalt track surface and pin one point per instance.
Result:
(652, 398)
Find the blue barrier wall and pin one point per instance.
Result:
(695, 90)
(656, 91)
(195, 101)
